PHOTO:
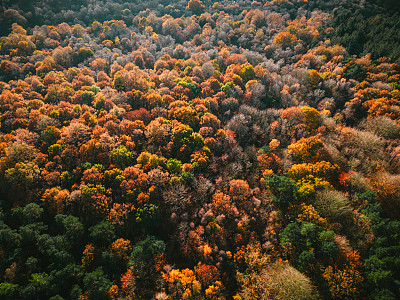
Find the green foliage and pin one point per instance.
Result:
(97, 284)
(187, 176)
(148, 216)
(89, 190)
(282, 188)
(9, 290)
(113, 178)
(70, 227)
(55, 149)
(121, 157)
(38, 286)
(119, 83)
(30, 213)
(84, 53)
(146, 250)
(49, 135)
(102, 233)
(383, 262)
(363, 33)
(189, 84)
(305, 259)
(247, 73)
(354, 70)
(67, 179)
(299, 240)
(227, 86)
(25, 174)
(181, 135)
(87, 96)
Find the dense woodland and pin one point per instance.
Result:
(199, 150)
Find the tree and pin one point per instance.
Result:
(148, 216)
(283, 189)
(306, 149)
(24, 174)
(284, 39)
(71, 229)
(262, 277)
(121, 157)
(145, 257)
(75, 134)
(63, 56)
(195, 5)
(174, 166)
(97, 284)
(239, 190)
(122, 248)
(322, 169)
(311, 117)
(102, 234)
(382, 262)
(9, 290)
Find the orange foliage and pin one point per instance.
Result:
(285, 39)
(222, 204)
(239, 190)
(122, 248)
(88, 255)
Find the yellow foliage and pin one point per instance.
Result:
(323, 169)
(284, 38)
(148, 160)
(274, 144)
(315, 78)
(383, 107)
(122, 248)
(309, 185)
(306, 149)
(310, 214)
(311, 117)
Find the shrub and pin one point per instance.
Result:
(276, 281)
(382, 126)
(332, 205)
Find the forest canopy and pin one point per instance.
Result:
(199, 149)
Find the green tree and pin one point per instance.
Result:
(282, 188)
(383, 262)
(148, 216)
(102, 234)
(247, 73)
(97, 284)
(121, 157)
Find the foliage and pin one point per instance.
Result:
(382, 262)
(275, 280)
(159, 150)
(282, 188)
(322, 169)
(307, 149)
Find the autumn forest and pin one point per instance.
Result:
(199, 149)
